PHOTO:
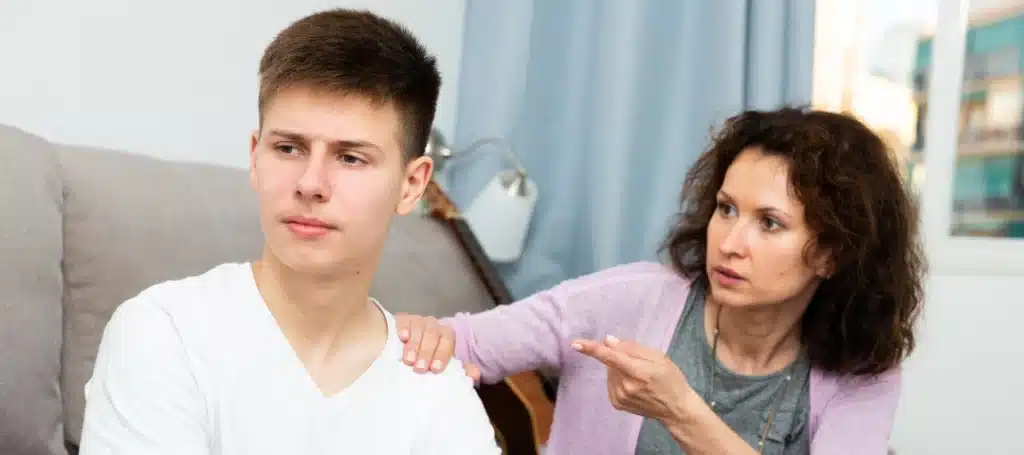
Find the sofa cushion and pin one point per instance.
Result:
(131, 222)
(30, 296)
(424, 270)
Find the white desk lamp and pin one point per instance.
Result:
(500, 214)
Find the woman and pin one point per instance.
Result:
(778, 328)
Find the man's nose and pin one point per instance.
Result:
(314, 184)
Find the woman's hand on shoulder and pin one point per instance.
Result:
(428, 343)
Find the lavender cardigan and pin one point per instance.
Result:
(641, 301)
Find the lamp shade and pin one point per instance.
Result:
(500, 215)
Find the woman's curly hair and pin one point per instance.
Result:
(861, 319)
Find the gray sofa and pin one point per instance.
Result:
(84, 229)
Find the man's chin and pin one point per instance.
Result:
(316, 264)
(309, 259)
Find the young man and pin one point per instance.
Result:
(289, 354)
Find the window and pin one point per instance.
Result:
(869, 62)
(942, 81)
(973, 197)
(986, 189)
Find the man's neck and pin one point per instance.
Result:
(317, 313)
(756, 340)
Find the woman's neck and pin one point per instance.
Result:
(755, 340)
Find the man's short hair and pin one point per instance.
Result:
(346, 52)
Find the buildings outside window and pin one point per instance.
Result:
(873, 60)
(988, 186)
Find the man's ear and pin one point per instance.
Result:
(418, 173)
(254, 141)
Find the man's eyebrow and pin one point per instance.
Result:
(288, 135)
(343, 144)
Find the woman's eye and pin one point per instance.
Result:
(726, 209)
(770, 224)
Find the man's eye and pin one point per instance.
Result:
(352, 159)
(287, 149)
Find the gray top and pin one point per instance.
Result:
(743, 402)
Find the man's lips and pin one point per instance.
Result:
(309, 222)
(308, 228)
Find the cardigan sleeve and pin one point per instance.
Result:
(535, 333)
(528, 335)
(858, 419)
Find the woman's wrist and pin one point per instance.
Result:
(686, 414)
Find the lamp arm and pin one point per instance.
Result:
(499, 143)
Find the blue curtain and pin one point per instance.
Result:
(607, 103)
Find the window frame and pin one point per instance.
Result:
(949, 254)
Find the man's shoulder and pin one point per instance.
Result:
(178, 303)
(444, 411)
(193, 292)
(452, 378)
(466, 427)
(429, 389)
(153, 363)
(450, 393)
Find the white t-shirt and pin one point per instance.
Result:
(199, 366)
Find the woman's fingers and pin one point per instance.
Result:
(429, 345)
(402, 324)
(473, 371)
(429, 337)
(445, 350)
(414, 331)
